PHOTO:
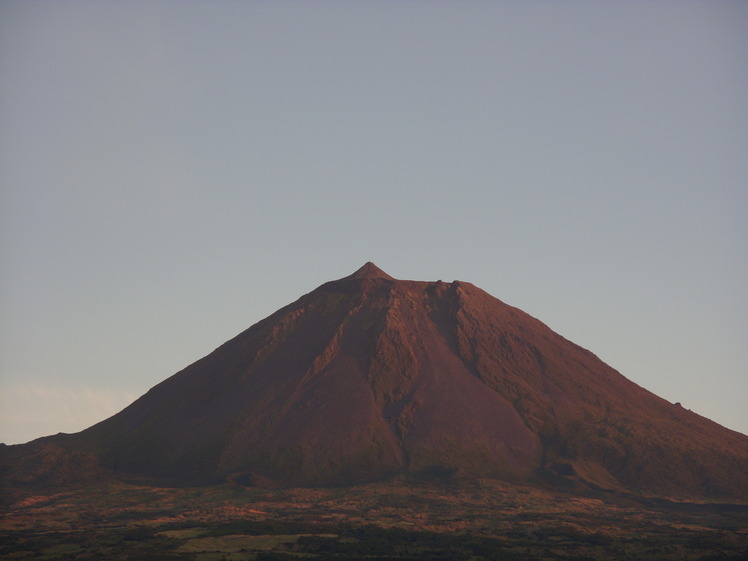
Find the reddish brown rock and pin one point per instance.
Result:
(369, 377)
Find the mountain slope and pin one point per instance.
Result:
(369, 377)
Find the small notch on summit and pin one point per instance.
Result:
(369, 271)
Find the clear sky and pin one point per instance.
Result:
(171, 172)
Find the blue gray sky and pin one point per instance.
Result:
(173, 172)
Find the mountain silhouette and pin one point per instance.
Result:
(368, 378)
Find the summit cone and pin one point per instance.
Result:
(368, 378)
(369, 271)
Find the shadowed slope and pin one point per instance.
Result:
(368, 376)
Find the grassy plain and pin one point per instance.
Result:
(475, 520)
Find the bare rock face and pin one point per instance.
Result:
(369, 377)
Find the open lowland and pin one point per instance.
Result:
(472, 520)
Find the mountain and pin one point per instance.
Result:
(368, 378)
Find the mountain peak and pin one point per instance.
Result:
(369, 271)
(373, 378)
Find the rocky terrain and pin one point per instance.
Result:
(368, 378)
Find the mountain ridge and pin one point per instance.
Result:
(368, 377)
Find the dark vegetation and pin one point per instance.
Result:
(480, 521)
(373, 543)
